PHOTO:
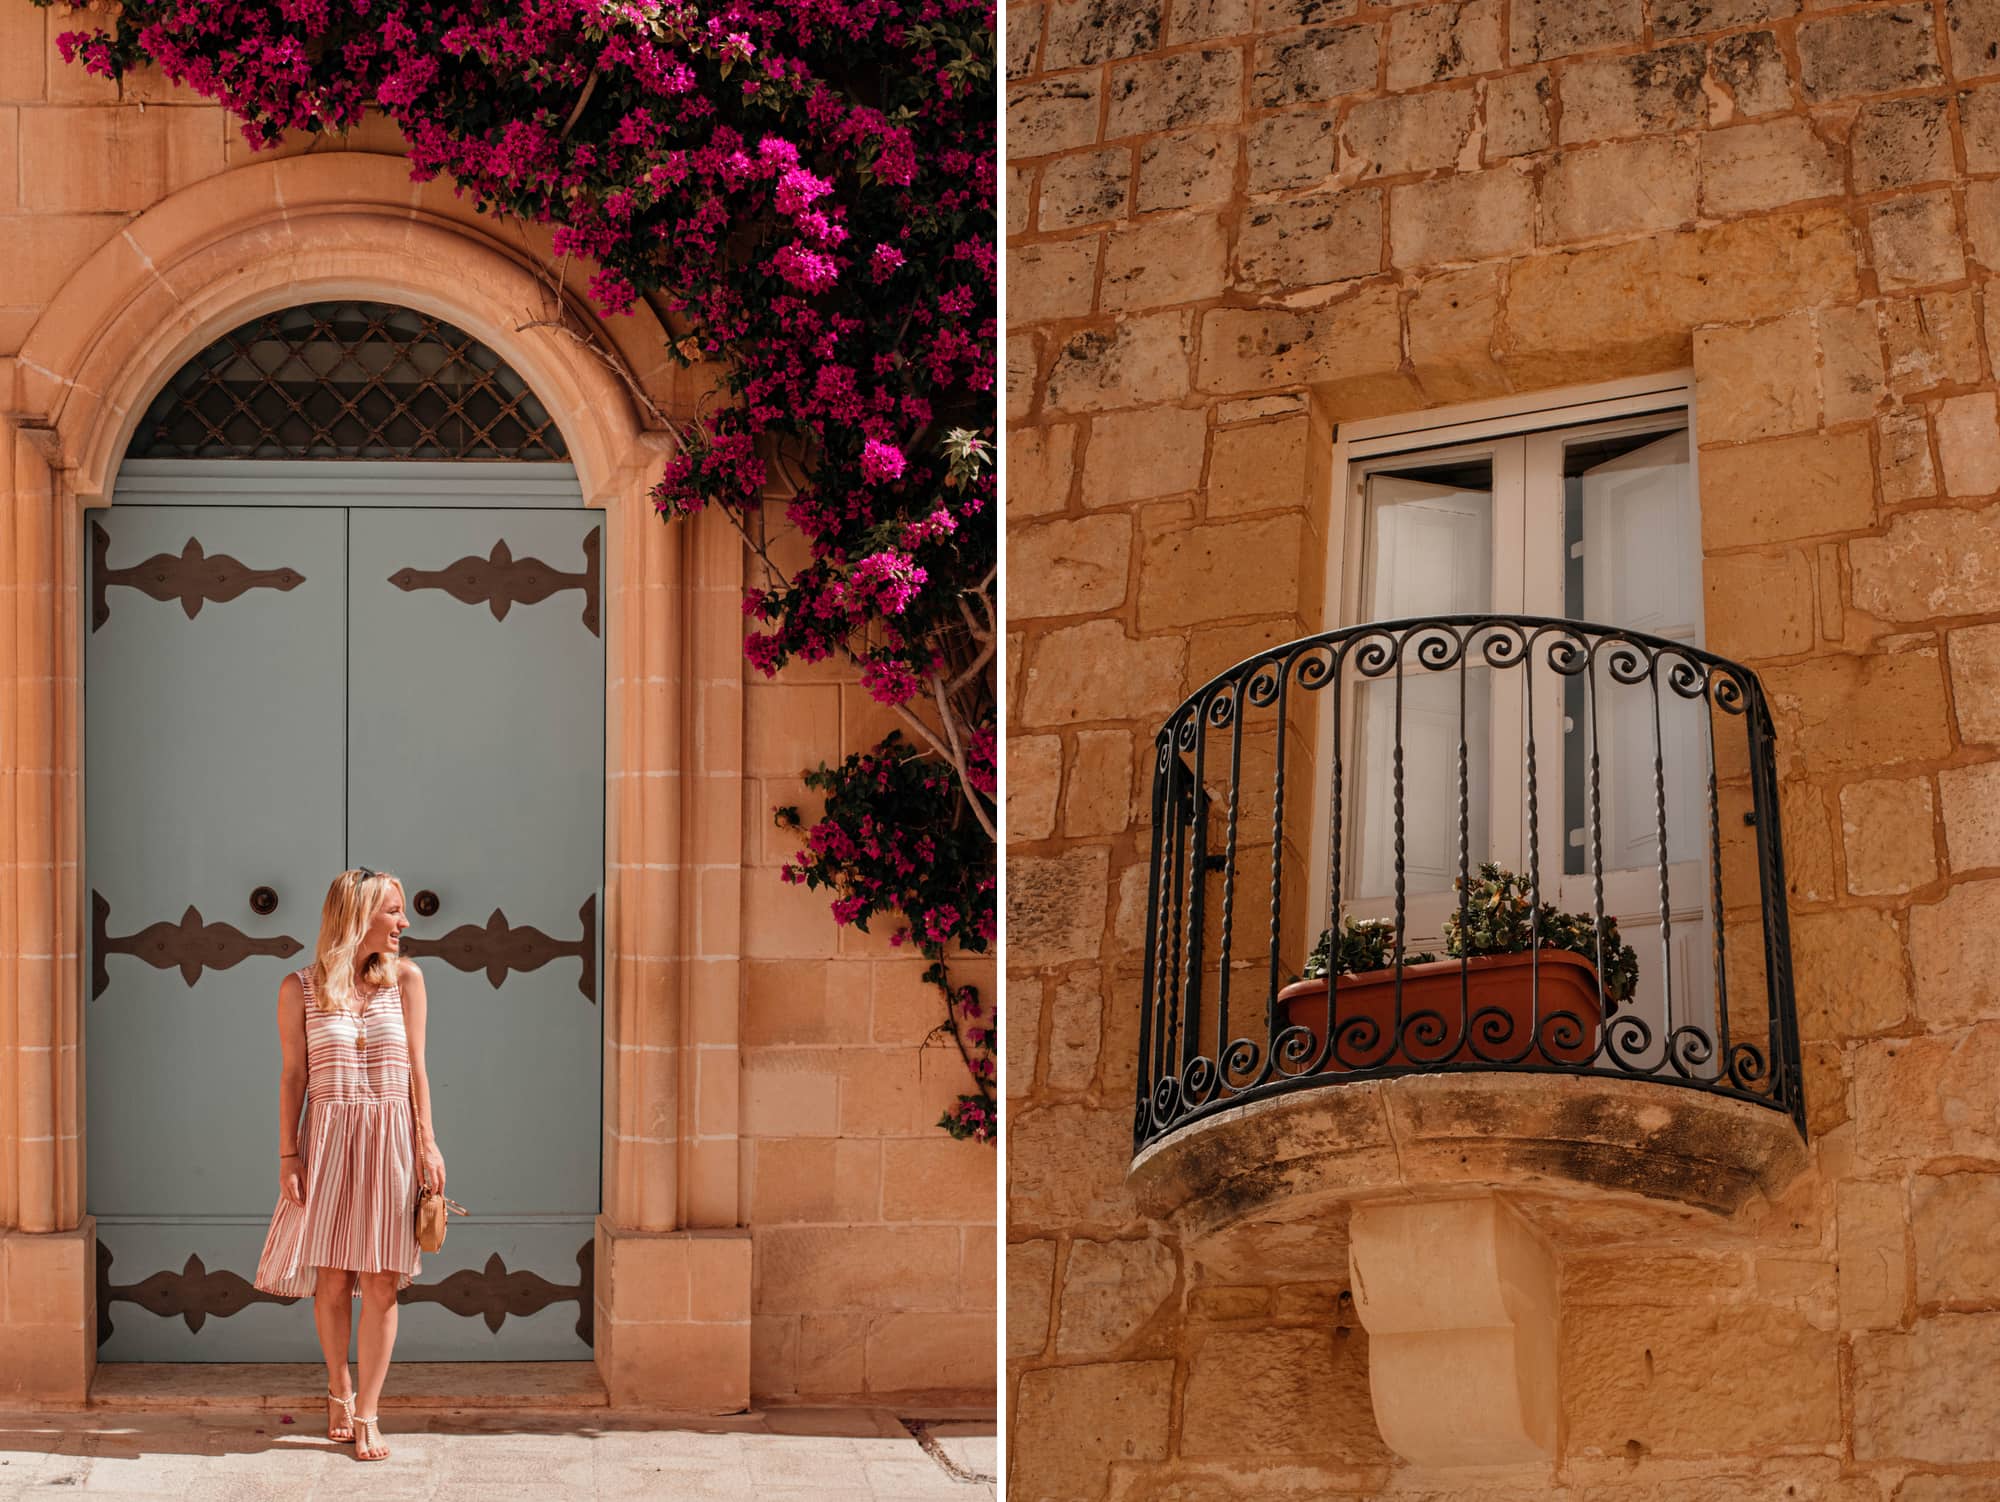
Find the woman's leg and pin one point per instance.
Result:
(333, 1316)
(378, 1340)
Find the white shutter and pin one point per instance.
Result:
(1430, 552)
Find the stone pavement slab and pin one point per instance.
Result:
(483, 1455)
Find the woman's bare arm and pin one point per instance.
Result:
(291, 1085)
(429, 1159)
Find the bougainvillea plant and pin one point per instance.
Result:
(805, 191)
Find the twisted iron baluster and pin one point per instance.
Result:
(1334, 864)
(1660, 832)
(1715, 864)
(1150, 1000)
(1596, 830)
(1229, 871)
(1197, 882)
(1180, 812)
(1464, 854)
(1278, 824)
(1396, 761)
(1534, 859)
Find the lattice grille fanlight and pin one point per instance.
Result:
(347, 380)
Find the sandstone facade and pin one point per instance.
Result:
(782, 1218)
(1270, 219)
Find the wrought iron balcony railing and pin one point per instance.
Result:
(1368, 774)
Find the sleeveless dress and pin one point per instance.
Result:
(358, 1143)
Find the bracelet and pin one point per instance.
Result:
(283, 1156)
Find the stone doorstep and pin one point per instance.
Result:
(513, 1385)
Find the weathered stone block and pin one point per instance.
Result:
(1099, 801)
(1137, 456)
(1875, 52)
(1973, 27)
(1358, 340)
(1294, 150)
(1750, 71)
(1176, 92)
(1848, 971)
(1052, 114)
(1087, 187)
(1056, 906)
(1929, 1394)
(1759, 167)
(1756, 382)
(1916, 241)
(1874, 1255)
(1683, 1381)
(1617, 190)
(1850, 712)
(1038, 469)
(1542, 29)
(1451, 321)
(1070, 1168)
(1260, 468)
(1206, 574)
(1095, 672)
(1931, 340)
(1111, 1292)
(1431, 43)
(1304, 242)
(1517, 114)
(1034, 780)
(1290, 15)
(1140, 360)
(1687, 17)
(1636, 94)
(1982, 222)
(1958, 1261)
(1317, 66)
(1024, 40)
(1974, 653)
(1928, 1099)
(1031, 1267)
(1759, 604)
(1784, 488)
(1204, 20)
(1163, 261)
(1187, 170)
(1900, 143)
(1084, 1418)
(1404, 133)
(1085, 32)
(1979, 127)
(1904, 437)
(1068, 567)
(1955, 949)
(1886, 830)
(1470, 216)
(1052, 279)
(1246, 1389)
(1938, 561)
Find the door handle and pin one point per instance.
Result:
(426, 903)
(264, 901)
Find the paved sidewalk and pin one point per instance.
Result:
(483, 1456)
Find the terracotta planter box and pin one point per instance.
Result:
(1502, 982)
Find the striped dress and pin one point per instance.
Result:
(359, 1147)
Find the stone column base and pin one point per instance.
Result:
(1459, 1300)
(48, 1317)
(673, 1318)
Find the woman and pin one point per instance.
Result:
(351, 1025)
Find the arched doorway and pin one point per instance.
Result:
(347, 608)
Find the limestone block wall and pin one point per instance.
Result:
(1235, 224)
(767, 1070)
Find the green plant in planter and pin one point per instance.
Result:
(1499, 918)
(1365, 944)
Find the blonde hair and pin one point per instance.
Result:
(352, 903)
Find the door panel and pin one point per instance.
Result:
(476, 772)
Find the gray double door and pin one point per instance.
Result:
(291, 669)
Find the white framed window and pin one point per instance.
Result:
(1577, 504)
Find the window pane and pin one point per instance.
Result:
(1428, 550)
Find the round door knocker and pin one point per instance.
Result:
(264, 901)
(427, 904)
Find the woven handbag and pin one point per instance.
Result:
(433, 1210)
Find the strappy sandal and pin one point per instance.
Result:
(377, 1451)
(348, 1404)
